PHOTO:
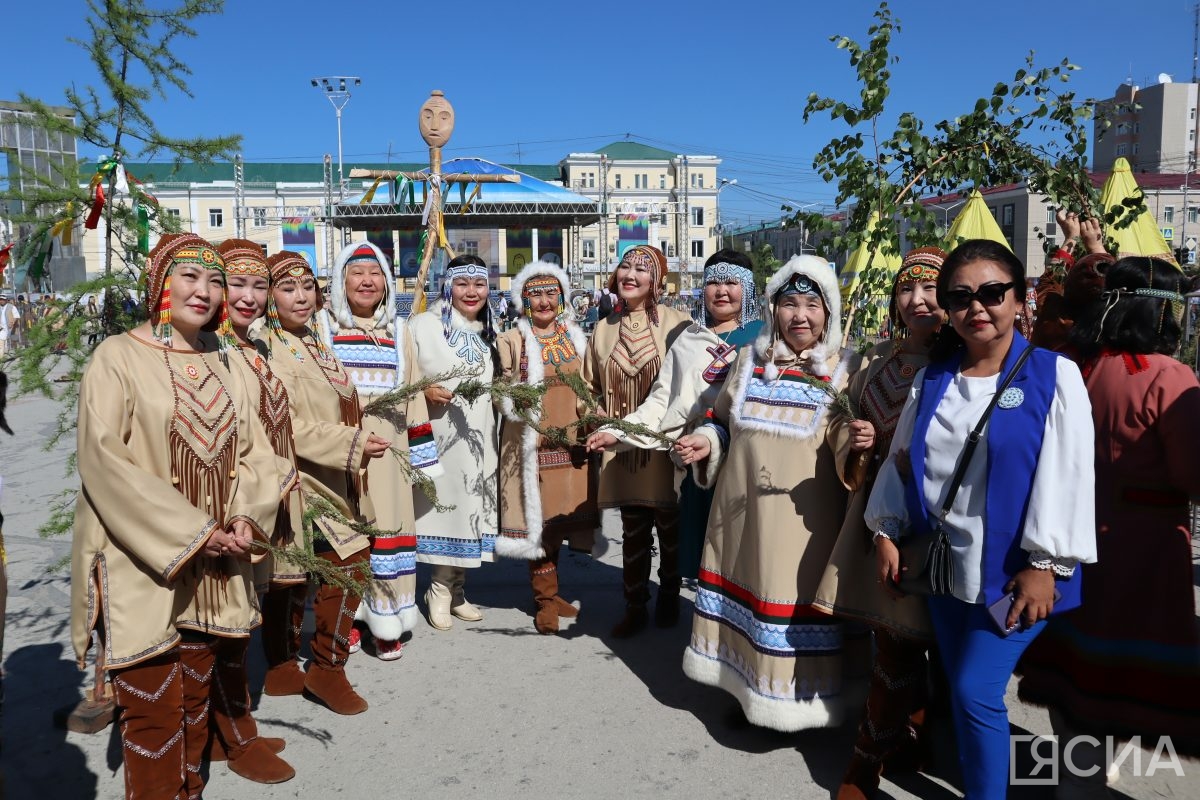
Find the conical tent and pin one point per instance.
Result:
(870, 307)
(975, 221)
(1142, 237)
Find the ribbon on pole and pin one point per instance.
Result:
(143, 228)
(104, 170)
(64, 229)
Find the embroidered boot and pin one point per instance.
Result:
(543, 576)
(249, 755)
(861, 781)
(459, 605)
(438, 597)
(326, 680)
(197, 656)
(149, 699)
(283, 618)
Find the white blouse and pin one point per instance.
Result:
(1060, 526)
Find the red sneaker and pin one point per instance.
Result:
(388, 651)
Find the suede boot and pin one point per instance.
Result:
(216, 750)
(283, 618)
(635, 620)
(459, 605)
(235, 729)
(197, 656)
(326, 680)
(149, 699)
(861, 781)
(544, 579)
(439, 596)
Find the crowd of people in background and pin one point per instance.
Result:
(809, 492)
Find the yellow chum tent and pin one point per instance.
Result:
(1142, 237)
(975, 221)
(872, 302)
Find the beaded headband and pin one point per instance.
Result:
(723, 271)
(800, 284)
(465, 271)
(244, 257)
(539, 283)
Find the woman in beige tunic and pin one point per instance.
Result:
(178, 479)
(623, 359)
(371, 340)
(894, 713)
(546, 490)
(776, 513)
(331, 452)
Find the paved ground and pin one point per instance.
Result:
(489, 710)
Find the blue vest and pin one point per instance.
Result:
(1014, 442)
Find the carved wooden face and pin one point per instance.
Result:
(436, 120)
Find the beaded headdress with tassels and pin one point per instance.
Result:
(171, 250)
(723, 271)
(288, 266)
(650, 257)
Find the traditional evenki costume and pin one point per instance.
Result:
(235, 735)
(378, 353)
(623, 359)
(547, 491)
(170, 452)
(1127, 662)
(849, 587)
(775, 516)
(329, 453)
(692, 374)
(1013, 511)
(462, 532)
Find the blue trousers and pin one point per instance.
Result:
(978, 662)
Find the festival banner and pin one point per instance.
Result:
(384, 241)
(632, 230)
(550, 245)
(408, 253)
(518, 247)
(300, 236)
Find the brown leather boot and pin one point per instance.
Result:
(259, 763)
(635, 620)
(543, 577)
(217, 751)
(283, 618)
(197, 657)
(861, 781)
(149, 699)
(234, 727)
(326, 680)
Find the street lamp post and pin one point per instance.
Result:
(724, 183)
(337, 89)
(795, 209)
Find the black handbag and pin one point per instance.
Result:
(927, 556)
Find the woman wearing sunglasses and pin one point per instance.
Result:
(1019, 517)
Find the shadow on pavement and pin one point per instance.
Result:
(39, 758)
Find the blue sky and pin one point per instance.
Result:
(532, 81)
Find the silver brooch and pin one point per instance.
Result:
(1011, 398)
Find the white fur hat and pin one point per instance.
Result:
(769, 344)
(537, 268)
(339, 307)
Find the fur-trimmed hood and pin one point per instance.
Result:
(770, 347)
(339, 307)
(538, 268)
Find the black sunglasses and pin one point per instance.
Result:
(989, 295)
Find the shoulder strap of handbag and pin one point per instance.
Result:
(973, 438)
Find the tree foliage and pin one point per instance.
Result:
(1026, 129)
(131, 46)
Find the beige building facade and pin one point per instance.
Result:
(1153, 127)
